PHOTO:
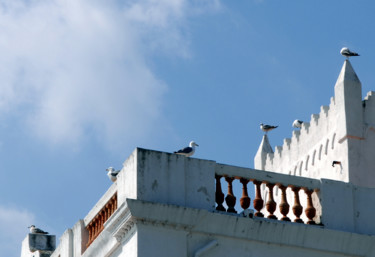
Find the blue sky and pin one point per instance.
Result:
(85, 82)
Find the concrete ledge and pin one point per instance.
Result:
(40, 242)
(263, 230)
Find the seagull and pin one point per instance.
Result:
(297, 123)
(188, 151)
(347, 53)
(267, 128)
(112, 173)
(35, 230)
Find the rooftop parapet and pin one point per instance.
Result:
(38, 245)
(171, 180)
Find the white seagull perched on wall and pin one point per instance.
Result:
(267, 128)
(188, 151)
(112, 173)
(35, 230)
(347, 53)
(297, 124)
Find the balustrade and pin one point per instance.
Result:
(308, 186)
(96, 225)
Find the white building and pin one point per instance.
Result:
(167, 205)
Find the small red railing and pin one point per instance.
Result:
(96, 225)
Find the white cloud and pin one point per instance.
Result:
(13, 224)
(76, 68)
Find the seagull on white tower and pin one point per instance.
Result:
(297, 124)
(347, 53)
(267, 128)
(35, 230)
(187, 151)
(112, 173)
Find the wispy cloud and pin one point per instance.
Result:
(76, 68)
(13, 224)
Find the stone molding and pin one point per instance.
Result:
(120, 223)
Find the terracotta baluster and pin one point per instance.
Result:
(219, 196)
(90, 233)
(94, 229)
(283, 206)
(310, 210)
(245, 199)
(271, 204)
(115, 201)
(114, 204)
(230, 199)
(97, 225)
(92, 226)
(258, 201)
(110, 208)
(113, 207)
(297, 207)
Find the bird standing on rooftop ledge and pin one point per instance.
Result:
(187, 151)
(267, 128)
(35, 230)
(297, 124)
(347, 53)
(112, 174)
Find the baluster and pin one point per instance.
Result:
(115, 201)
(271, 204)
(97, 226)
(110, 208)
(113, 206)
(245, 199)
(258, 201)
(102, 220)
(310, 210)
(230, 199)
(297, 207)
(219, 196)
(283, 206)
(90, 233)
(94, 229)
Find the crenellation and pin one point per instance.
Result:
(278, 150)
(324, 110)
(286, 144)
(295, 134)
(270, 157)
(305, 127)
(296, 153)
(332, 101)
(315, 118)
(340, 127)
